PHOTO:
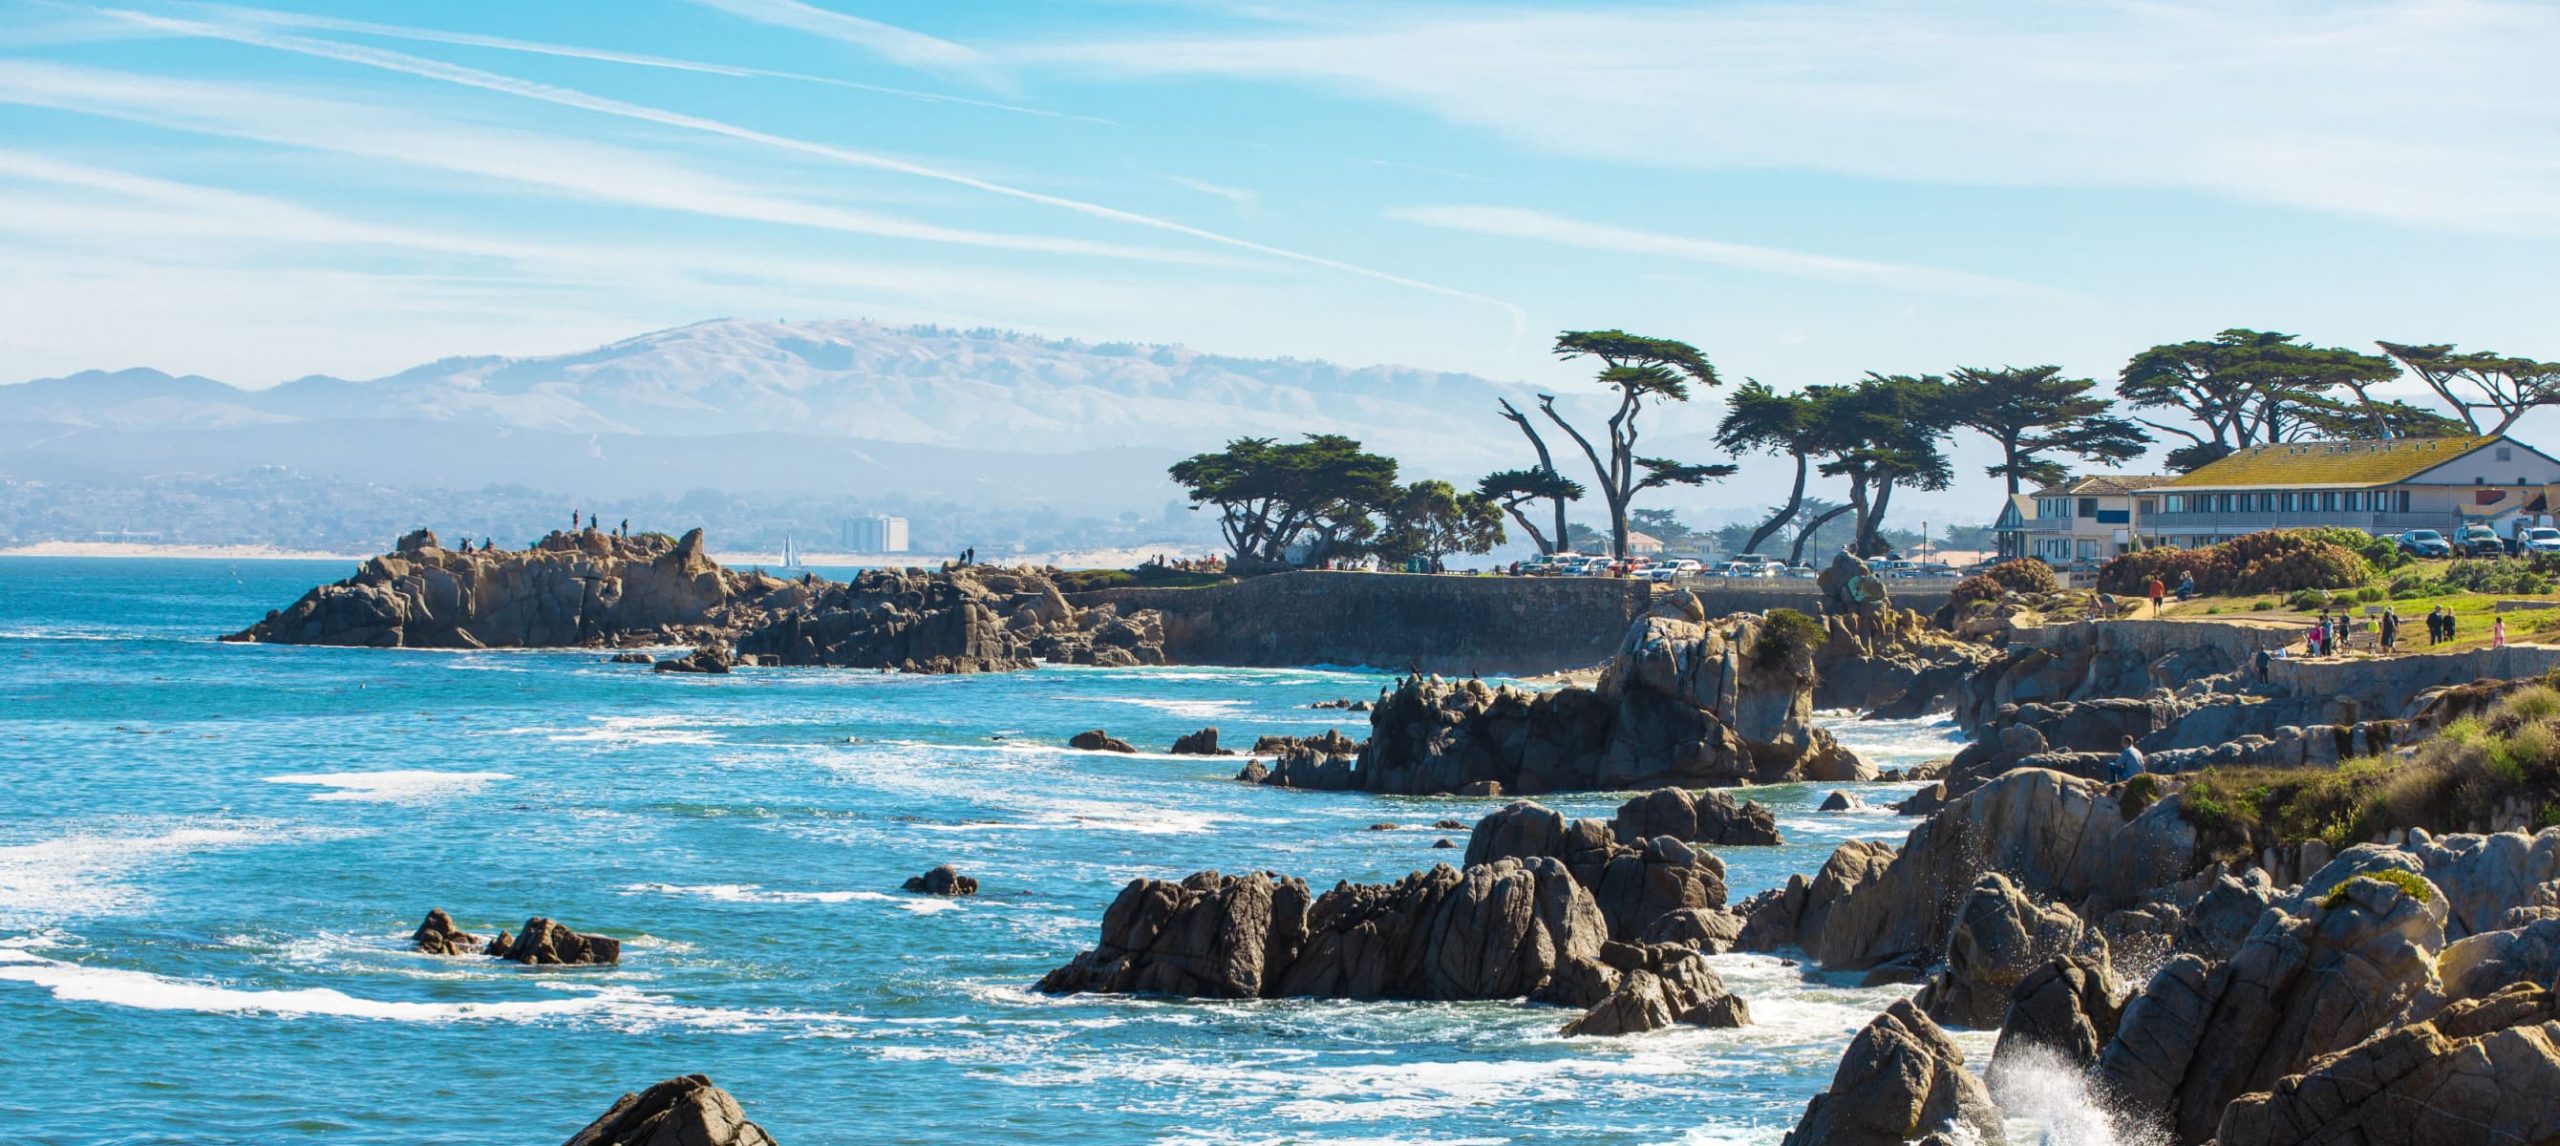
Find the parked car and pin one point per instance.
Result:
(1673, 570)
(2537, 539)
(2478, 541)
(2424, 543)
(1799, 572)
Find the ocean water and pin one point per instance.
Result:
(211, 857)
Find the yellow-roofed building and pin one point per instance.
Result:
(2381, 487)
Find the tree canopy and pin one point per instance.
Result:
(2256, 387)
(2034, 413)
(1271, 496)
(1515, 489)
(1760, 419)
(1431, 519)
(2487, 391)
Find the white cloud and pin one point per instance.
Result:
(2433, 112)
(562, 166)
(1519, 223)
(570, 97)
(914, 49)
(1245, 200)
(274, 18)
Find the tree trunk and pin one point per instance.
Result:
(1778, 520)
(1546, 462)
(1796, 556)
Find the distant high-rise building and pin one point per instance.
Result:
(878, 533)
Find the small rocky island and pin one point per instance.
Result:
(593, 589)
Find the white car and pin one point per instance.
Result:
(2539, 539)
(1674, 570)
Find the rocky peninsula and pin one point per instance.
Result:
(592, 589)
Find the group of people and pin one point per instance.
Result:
(622, 530)
(2331, 633)
(1213, 563)
(2158, 590)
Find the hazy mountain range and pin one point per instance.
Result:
(759, 404)
(852, 411)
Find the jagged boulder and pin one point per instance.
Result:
(2301, 986)
(544, 943)
(1901, 1079)
(2057, 836)
(1707, 930)
(1658, 986)
(2482, 1073)
(1705, 817)
(1783, 916)
(1324, 763)
(2064, 1012)
(1839, 801)
(1201, 743)
(683, 1111)
(438, 935)
(1096, 740)
(2000, 936)
(1506, 929)
(944, 879)
(1634, 885)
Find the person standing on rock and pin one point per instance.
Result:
(2158, 591)
(2127, 764)
(2497, 632)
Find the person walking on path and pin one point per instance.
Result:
(2390, 630)
(2157, 591)
(2127, 763)
(2498, 632)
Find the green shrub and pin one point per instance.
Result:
(1783, 635)
(2382, 553)
(2369, 594)
(2306, 600)
(2408, 882)
(2263, 606)
(2213, 610)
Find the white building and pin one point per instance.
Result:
(878, 533)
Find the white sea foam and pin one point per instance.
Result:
(1190, 709)
(639, 730)
(750, 893)
(396, 786)
(88, 873)
(620, 1007)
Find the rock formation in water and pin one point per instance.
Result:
(1901, 1079)
(438, 936)
(1201, 743)
(1544, 909)
(1702, 817)
(1686, 702)
(588, 588)
(973, 618)
(942, 880)
(2000, 936)
(1880, 660)
(2060, 1016)
(683, 1111)
(544, 943)
(1097, 740)
(568, 589)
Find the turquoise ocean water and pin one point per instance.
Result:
(211, 857)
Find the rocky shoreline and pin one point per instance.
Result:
(2186, 963)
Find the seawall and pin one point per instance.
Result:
(1450, 625)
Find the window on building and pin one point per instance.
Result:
(2328, 501)
(2350, 501)
(2147, 505)
(2088, 507)
(2223, 502)
(2505, 454)
(2089, 550)
(2404, 501)
(2288, 503)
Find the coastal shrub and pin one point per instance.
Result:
(2263, 606)
(2410, 884)
(2306, 600)
(2272, 561)
(2382, 553)
(1784, 634)
(2473, 772)
(2024, 575)
(2369, 594)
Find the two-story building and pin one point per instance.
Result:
(2381, 487)
(2081, 521)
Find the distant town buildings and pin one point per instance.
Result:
(2380, 487)
(878, 533)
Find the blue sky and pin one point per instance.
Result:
(1806, 190)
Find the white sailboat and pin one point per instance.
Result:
(790, 553)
